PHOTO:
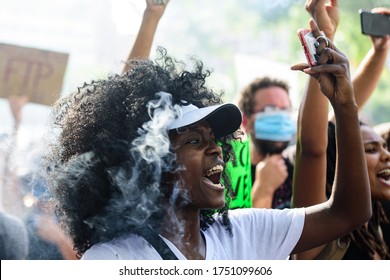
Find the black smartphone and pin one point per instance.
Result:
(374, 24)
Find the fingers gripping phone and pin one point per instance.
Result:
(308, 40)
(374, 24)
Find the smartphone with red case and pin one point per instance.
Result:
(308, 40)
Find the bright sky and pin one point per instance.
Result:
(97, 35)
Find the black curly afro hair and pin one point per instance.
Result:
(103, 189)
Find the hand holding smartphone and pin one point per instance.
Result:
(308, 40)
(374, 24)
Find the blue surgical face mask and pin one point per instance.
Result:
(274, 126)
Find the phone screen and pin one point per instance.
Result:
(307, 40)
(375, 24)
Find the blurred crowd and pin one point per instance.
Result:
(275, 155)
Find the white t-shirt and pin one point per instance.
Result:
(268, 234)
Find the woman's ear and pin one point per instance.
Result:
(244, 120)
(244, 123)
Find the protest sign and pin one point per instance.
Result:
(32, 72)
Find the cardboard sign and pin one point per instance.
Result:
(35, 73)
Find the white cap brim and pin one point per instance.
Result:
(224, 119)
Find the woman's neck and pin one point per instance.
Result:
(182, 228)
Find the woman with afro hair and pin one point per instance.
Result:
(137, 170)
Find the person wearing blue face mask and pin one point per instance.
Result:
(267, 121)
(270, 174)
(274, 125)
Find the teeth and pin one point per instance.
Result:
(384, 172)
(216, 169)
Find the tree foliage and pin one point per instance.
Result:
(218, 30)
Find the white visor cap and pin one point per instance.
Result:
(224, 119)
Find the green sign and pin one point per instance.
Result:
(240, 175)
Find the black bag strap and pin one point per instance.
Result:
(150, 235)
